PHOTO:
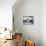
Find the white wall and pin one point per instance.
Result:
(29, 8)
(6, 13)
(43, 22)
(40, 19)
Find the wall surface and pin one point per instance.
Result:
(28, 8)
(38, 10)
(43, 22)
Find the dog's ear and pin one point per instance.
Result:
(34, 44)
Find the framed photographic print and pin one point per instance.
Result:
(28, 20)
